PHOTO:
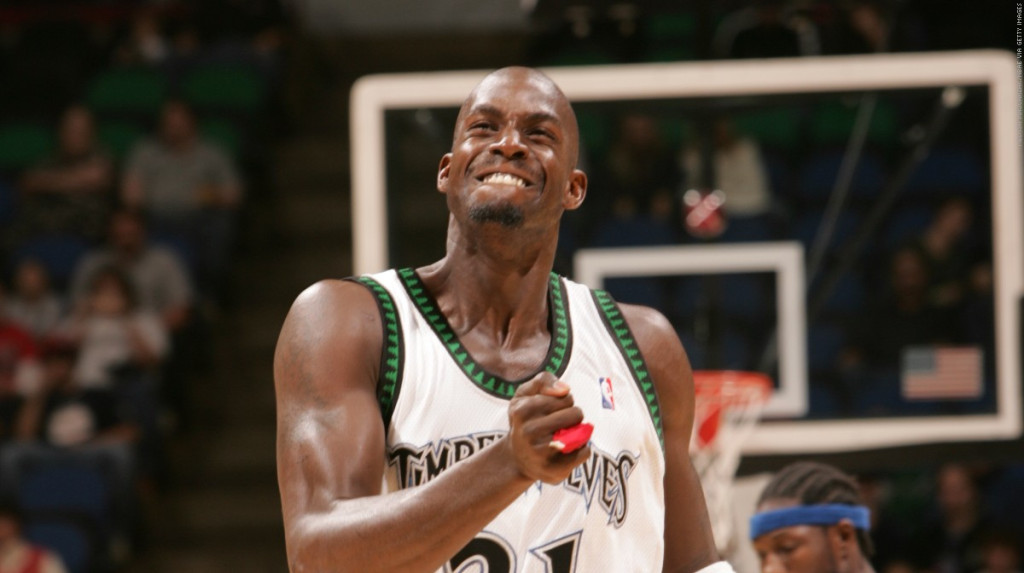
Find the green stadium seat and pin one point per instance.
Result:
(22, 144)
(669, 37)
(118, 137)
(774, 128)
(595, 132)
(135, 91)
(833, 122)
(224, 88)
(224, 133)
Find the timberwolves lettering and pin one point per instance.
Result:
(603, 474)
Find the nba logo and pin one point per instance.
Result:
(607, 397)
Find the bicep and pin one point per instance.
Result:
(689, 543)
(330, 443)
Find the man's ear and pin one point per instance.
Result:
(843, 537)
(443, 170)
(575, 191)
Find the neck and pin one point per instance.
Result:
(497, 284)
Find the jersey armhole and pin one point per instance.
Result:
(392, 356)
(617, 327)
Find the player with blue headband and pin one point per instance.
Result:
(811, 519)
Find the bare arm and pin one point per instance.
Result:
(689, 544)
(331, 449)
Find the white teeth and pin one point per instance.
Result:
(504, 179)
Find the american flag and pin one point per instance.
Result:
(942, 372)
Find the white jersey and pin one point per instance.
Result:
(440, 407)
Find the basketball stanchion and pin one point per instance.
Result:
(727, 408)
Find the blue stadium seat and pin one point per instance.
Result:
(948, 170)
(743, 296)
(647, 291)
(819, 173)
(738, 295)
(805, 229)
(736, 351)
(67, 487)
(824, 343)
(904, 225)
(58, 253)
(877, 393)
(847, 296)
(8, 202)
(634, 232)
(71, 541)
(749, 229)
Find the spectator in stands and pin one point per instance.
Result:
(946, 245)
(861, 28)
(639, 173)
(65, 413)
(159, 279)
(33, 304)
(17, 555)
(739, 170)
(188, 188)
(115, 336)
(145, 42)
(904, 316)
(241, 28)
(20, 373)
(69, 192)
(1001, 550)
(765, 30)
(952, 539)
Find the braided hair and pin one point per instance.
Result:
(812, 483)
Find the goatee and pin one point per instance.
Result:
(504, 214)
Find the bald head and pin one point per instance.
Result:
(533, 85)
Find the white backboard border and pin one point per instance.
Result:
(372, 96)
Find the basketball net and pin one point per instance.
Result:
(727, 408)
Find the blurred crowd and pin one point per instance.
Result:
(922, 277)
(136, 133)
(953, 518)
(746, 169)
(127, 149)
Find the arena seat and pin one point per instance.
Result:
(224, 88)
(67, 538)
(825, 341)
(67, 487)
(225, 133)
(8, 202)
(118, 137)
(832, 123)
(774, 129)
(821, 170)
(133, 91)
(948, 170)
(22, 144)
(58, 253)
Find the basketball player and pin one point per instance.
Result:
(811, 519)
(417, 407)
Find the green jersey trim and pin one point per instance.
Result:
(558, 351)
(392, 354)
(619, 330)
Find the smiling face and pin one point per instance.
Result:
(514, 154)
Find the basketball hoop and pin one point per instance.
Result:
(727, 407)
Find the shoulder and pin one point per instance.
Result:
(662, 351)
(332, 333)
(651, 328)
